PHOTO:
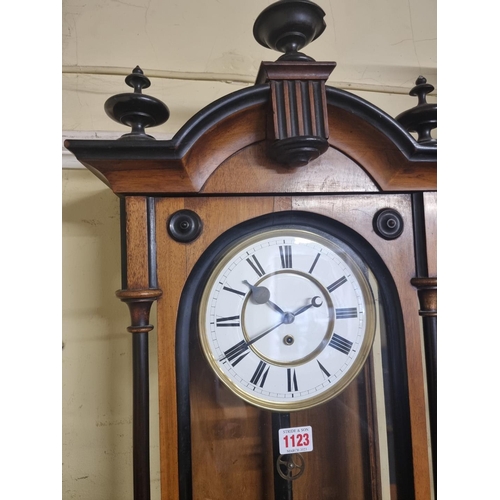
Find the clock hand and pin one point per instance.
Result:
(276, 307)
(261, 295)
(250, 342)
(243, 346)
(288, 318)
(314, 303)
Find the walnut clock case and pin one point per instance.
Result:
(287, 233)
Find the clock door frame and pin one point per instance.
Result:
(390, 303)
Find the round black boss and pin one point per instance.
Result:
(388, 223)
(184, 226)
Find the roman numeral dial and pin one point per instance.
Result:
(255, 265)
(236, 353)
(286, 318)
(286, 256)
(340, 343)
(291, 376)
(346, 313)
(260, 374)
(229, 321)
(232, 290)
(336, 284)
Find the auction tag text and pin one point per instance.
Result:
(295, 440)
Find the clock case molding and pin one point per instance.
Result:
(190, 162)
(219, 166)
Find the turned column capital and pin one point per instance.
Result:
(139, 302)
(427, 295)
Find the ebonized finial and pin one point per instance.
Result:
(137, 80)
(297, 131)
(137, 110)
(422, 118)
(288, 26)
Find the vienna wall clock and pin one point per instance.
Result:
(287, 233)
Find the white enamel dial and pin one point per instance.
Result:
(287, 319)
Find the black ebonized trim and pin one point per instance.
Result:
(182, 141)
(419, 237)
(283, 490)
(397, 386)
(140, 441)
(222, 108)
(382, 121)
(430, 349)
(237, 101)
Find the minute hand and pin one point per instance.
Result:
(288, 318)
(250, 342)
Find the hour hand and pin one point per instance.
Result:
(315, 302)
(261, 295)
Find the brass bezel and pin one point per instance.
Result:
(344, 252)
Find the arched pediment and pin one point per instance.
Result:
(230, 135)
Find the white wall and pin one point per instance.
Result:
(194, 51)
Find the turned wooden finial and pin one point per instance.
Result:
(422, 118)
(288, 26)
(298, 122)
(137, 110)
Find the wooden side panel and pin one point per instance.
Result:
(137, 242)
(172, 273)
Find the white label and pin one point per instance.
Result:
(295, 440)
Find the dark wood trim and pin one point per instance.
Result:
(427, 294)
(283, 490)
(139, 302)
(183, 164)
(421, 266)
(151, 229)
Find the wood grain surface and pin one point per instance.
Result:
(230, 440)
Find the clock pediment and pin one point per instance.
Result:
(233, 129)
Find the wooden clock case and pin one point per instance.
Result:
(371, 176)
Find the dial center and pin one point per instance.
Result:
(296, 322)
